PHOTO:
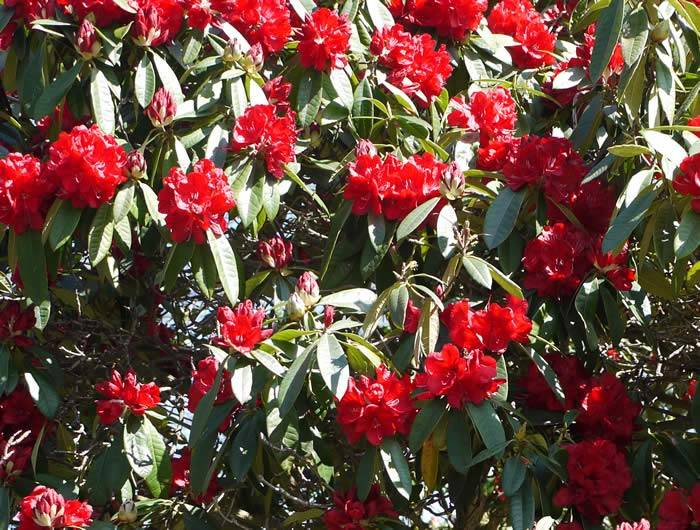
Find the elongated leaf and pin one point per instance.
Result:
(100, 235)
(294, 380)
(459, 441)
(342, 86)
(226, 265)
(425, 422)
(63, 224)
(488, 424)
(55, 92)
(144, 81)
(366, 472)
(204, 409)
(309, 98)
(446, 226)
(505, 282)
(269, 362)
(635, 30)
(396, 466)
(123, 201)
(359, 299)
(688, 234)
(32, 264)
(513, 475)
(501, 216)
(158, 480)
(548, 373)
(4, 508)
(168, 77)
(414, 219)
(478, 269)
(42, 392)
(607, 33)
(137, 446)
(244, 447)
(102, 103)
(333, 364)
(379, 14)
(626, 221)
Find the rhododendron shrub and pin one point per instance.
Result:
(371, 264)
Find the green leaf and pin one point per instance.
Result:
(151, 200)
(613, 314)
(4, 508)
(628, 150)
(635, 30)
(100, 234)
(425, 422)
(376, 229)
(168, 77)
(504, 281)
(586, 304)
(366, 472)
(337, 222)
(179, 255)
(123, 201)
(478, 269)
(204, 409)
(248, 195)
(52, 95)
(42, 392)
(268, 361)
(63, 224)
(32, 265)
(522, 507)
(548, 373)
(333, 364)
(608, 28)
(226, 265)
(585, 132)
(501, 216)
(446, 226)
(4, 368)
(396, 466)
(501, 373)
(688, 234)
(413, 126)
(379, 14)
(144, 81)
(459, 441)
(294, 379)
(358, 299)
(363, 109)
(245, 445)
(101, 98)
(242, 382)
(158, 480)
(514, 472)
(487, 423)
(137, 446)
(626, 221)
(309, 97)
(271, 198)
(342, 86)
(414, 219)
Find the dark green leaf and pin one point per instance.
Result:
(459, 441)
(608, 28)
(501, 216)
(42, 392)
(309, 97)
(226, 265)
(333, 364)
(414, 219)
(626, 221)
(32, 264)
(245, 445)
(425, 422)
(488, 424)
(294, 380)
(396, 466)
(100, 235)
(52, 95)
(688, 234)
(137, 446)
(513, 475)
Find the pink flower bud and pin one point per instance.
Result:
(232, 51)
(136, 165)
(295, 307)
(276, 253)
(254, 58)
(128, 512)
(328, 316)
(162, 109)
(452, 183)
(365, 148)
(49, 509)
(86, 41)
(147, 26)
(307, 289)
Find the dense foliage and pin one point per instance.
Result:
(421, 264)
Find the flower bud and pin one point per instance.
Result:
(136, 165)
(661, 31)
(86, 41)
(276, 253)
(254, 59)
(307, 289)
(295, 307)
(128, 512)
(328, 316)
(48, 510)
(315, 135)
(364, 148)
(452, 185)
(147, 26)
(232, 52)
(162, 109)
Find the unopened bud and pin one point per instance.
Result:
(328, 316)
(147, 27)
(452, 185)
(295, 307)
(254, 59)
(86, 41)
(365, 148)
(661, 31)
(128, 512)
(162, 109)
(307, 289)
(314, 135)
(232, 52)
(276, 253)
(136, 165)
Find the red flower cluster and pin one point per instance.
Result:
(20, 425)
(414, 65)
(614, 267)
(241, 327)
(87, 165)
(45, 508)
(598, 476)
(122, 394)
(572, 378)
(195, 202)
(491, 113)
(492, 328)
(277, 91)
(105, 12)
(349, 513)
(687, 180)
(180, 480)
(25, 193)
(520, 20)
(15, 322)
(592, 204)
(679, 509)
(276, 253)
(263, 22)
(390, 187)
(410, 321)
(203, 379)
(325, 37)
(450, 18)
(462, 379)
(31, 10)
(606, 410)
(376, 408)
(267, 135)
(158, 21)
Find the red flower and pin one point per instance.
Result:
(679, 509)
(415, 66)
(87, 166)
(31, 10)
(614, 267)
(203, 379)
(158, 21)
(264, 22)
(695, 122)
(15, 322)
(277, 91)
(556, 261)
(687, 180)
(572, 378)
(276, 253)
(241, 327)
(491, 328)
(606, 410)
(598, 478)
(349, 513)
(520, 20)
(45, 508)
(491, 113)
(692, 387)
(492, 155)
(19, 413)
(125, 393)
(451, 18)
(461, 379)
(268, 135)
(569, 526)
(390, 187)
(376, 408)
(325, 37)
(545, 161)
(410, 321)
(200, 14)
(195, 202)
(105, 12)
(161, 111)
(591, 203)
(181, 478)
